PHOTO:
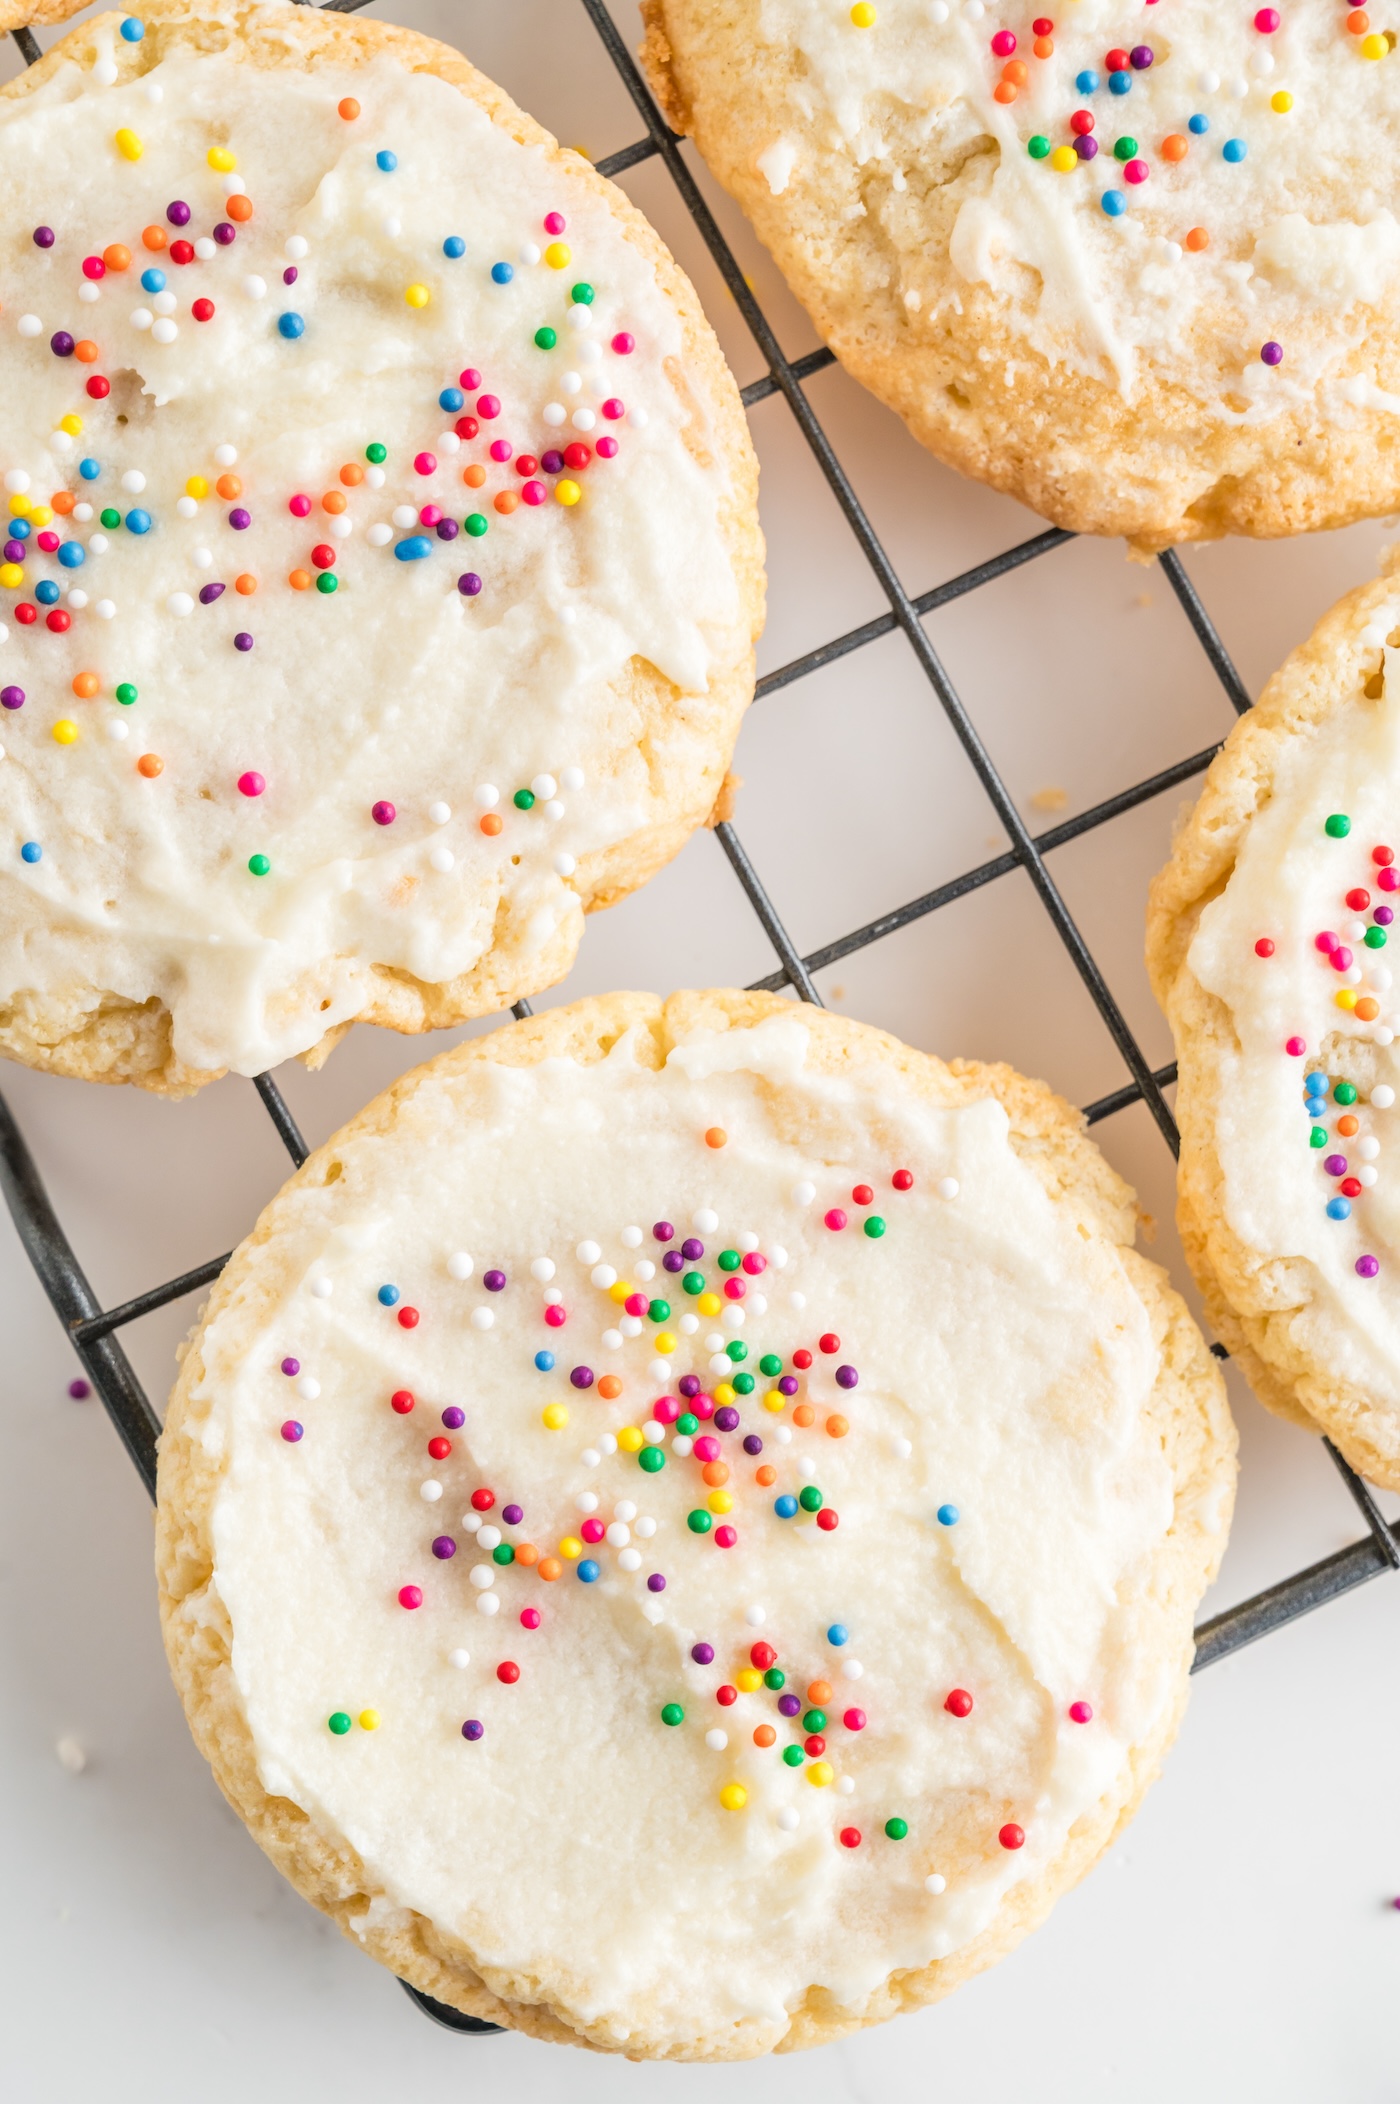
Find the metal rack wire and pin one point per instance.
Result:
(93, 1328)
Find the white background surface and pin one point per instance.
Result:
(1239, 1942)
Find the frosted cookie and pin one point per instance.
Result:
(1135, 267)
(380, 568)
(680, 1527)
(1268, 944)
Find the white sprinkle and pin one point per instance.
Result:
(82, 513)
(552, 1296)
(141, 318)
(460, 1265)
(783, 1434)
(1367, 1175)
(789, 1818)
(734, 1316)
(30, 325)
(180, 603)
(17, 481)
(105, 608)
(947, 1187)
(638, 419)
(755, 1616)
(590, 1457)
(482, 1318)
(308, 1388)
(803, 1193)
(89, 294)
(586, 1501)
(553, 412)
(660, 1370)
(717, 1740)
(645, 1270)
(442, 859)
(340, 529)
(608, 1443)
(571, 778)
(295, 246)
(611, 1340)
(758, 1304)
(70, 1755)
(439, 813)
(682, 1447)
(652, 1432)
(379, 536)
(619, 1534)
(430, 1491)
(645, 1528)
(564, 865)
(482, 1576)
(583, 420)
(553, 809)
(154, 92)
(186, 508)
(902, 1448)
(1383, 1096)
(847, 1785)
(393, 227)
(602, 1275)
(405, 515)
(580, 317)
(61, 442)
(688, 1325)
(205, 249)
(1368, 1149)
(203, 558)
(104, 72)
(486, 796)
(471, 1521)
(571, 383)
(542, 1270)
(322, 1288)
(78, 600)
(544, 785)
(720, 1363)
(448, 442)
(164, 303)
(852, 1669)
(529, 254)
(935, 1884)
(807, 1466)
(588, 1252)
(459, 1659)
(630, 1560)
(488, 1603)
(375, 477)
(631, 1238)
(488, 1537)
(705, 1222)
(164, 330)
(255, 287)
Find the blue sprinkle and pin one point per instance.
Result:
(389, 1296)
(545, 1361)
(72, 555)
(414, 548)
(47, 592)
(454, 246)
(31, 851)
(785, 1506)
(1317, 1084)
(153, 281)
(1339, 1209)
(1087, 81)
(588, 1570)
(89, 469)
(1114, 203)
(1234, 149)
(1119, 83)
(19, 529)
(502, 273)
(386, 160)
(138, 521)
(451, 398)
(1198, 125)
(133, 30)
(948, 1515)
(838, 1632)
(291, 326)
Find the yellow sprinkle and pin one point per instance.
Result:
(128, 145)
(571, 1547)
(418, 295)
(747, 1680)
(1374, 47)
(720, 1501)
(1345, 999)
(567, 492)
(820, 1774)
(64, 732)
(630, 1439)
(559, 255)
(19, 507)
(665, 1343)
(619, 1291)
(1282, 102)
(1064, 159)
(11, 576)
(196, 487)
(733, 1797)
(863, 15)
(774, 1400)
(222, 159)
(40, 514)
(554, 1417)
(724, 1395)
(369, 1720)
(709, 1304)
(71, 424)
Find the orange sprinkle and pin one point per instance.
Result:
(550, 1568)
(1197, 239)
(352, 474)
(229, 486)
(1367, 1010)
(527, 1553)
(86, 685)
(837, 1426)
(247, 584)
(150, 764)
(117, 256)
(1358, 22)
(474, 476)
(764, 1735)
(299, 580)
(803, 1414)
(715, 1473)
(491, 824)
(239, 207)
(85, 351)
(1347, 1126)
(716, 1136)
(1016, 71)
(153, 236)
(334, 500)
(1003, 92)
(1043, 47)
(610, 1388)
(63, 501)
(764, 1476)
(1175, 147)
(819, 1691)
(506, 500)
(349, 109)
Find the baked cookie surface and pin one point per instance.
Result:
(680, 1528)
(1137, 267)
(1269, 940)
(381, 567)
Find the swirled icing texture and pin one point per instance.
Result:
(398, 689)
(1289, 885)
(1004, 1366)
(1301, 229)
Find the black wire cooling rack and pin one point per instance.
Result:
(93, 1329)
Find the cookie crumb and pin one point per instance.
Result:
(70, 1755)
(1050, 799)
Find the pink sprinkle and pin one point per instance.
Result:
(425, 463)
(1081, 1712)
(487, 407)
(593, 1530)
(299, 506)
(500, 449)
(554, 222)
(734, 1289)
(1296, 1047)
(754, 1263)
(702, 1405)
(613, 409)
(429, 515)
(94, 267)
(1266, 21)
(291, 1431)
(836, 1219)
(706, 1448)
(410, 1596)
(529, 1618)
(1326, 941)
(1388, 879)
(854, 1720)
(1135, 172)
(635, 1304)
(383, 814)
(1340, 959)
(665, 1409)
(251, 783)
(624, 343)
(48, 542)
(725, 1537)
(554, 1315)
(1003, 43)
(469, 379)
(533, 493)
(606, 447)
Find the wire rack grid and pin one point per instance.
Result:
(93, 1329)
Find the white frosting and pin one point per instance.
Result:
(398, 689)
(1004, 1365)
(911, 100)
(1289, 885)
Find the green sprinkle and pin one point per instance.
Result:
(737, 1350)
(874, 1227)
(259, 865)
(659, 1311)
(126, 694)
(793, 1756)
(814, 1720)
(810, 1498)
(328, 582)
(1336, 828)
(503, 1553)
(545, 340)
(377, 453)
(688, 1424)
(729, 1260)
(1318, 1136)
(581, 295)
(1374, 938)
(1345, 1092)
(651, 1459)
(1125, 149)
(524, 799)
(775, 1678)
(743, 1384)
(693, 1282)
(672, 1713)
(475, 524)
(339, 1723)
(110, 519)
(770, 1364)
(896, 1828)
(699, 1522)
(1037, 146)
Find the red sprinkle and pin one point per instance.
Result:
(862, 1194)
(763, 1656)
(483, 1500)
(439, 1448)
(1263, 948)
(958, 1702)
(408, 1318)
(508, 1671)
(850, 1837)
(402, 1401)
(726, 1695)
(802, 1360)
(828, 1520)
(903, 1180)
(1012, 1836)
(829, 1342)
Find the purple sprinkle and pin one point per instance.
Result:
(178, 213)
(789, 1705)
(224, 233)
(443, 1547)
(703, 1654)
(551, 462)
(239, 519)
(692, 1250)
(453, 1418)
(673, 1261)
(15, 551)
(1383, 916)
(208, 593)
(1140, 57)
(582, 1377)
(1336, 1165)
(447, 529)
(43, 237)
(11, 697)
(1086, 146)
(80, 1391)
(788, 1384)
(383, 814)
(292, 1431)
(1272, 354)
(472, 1729)
(753, 1444)
(291, 1368)
(289, 275)
(61, 344)
(243, 641)
(656, 1583)
(663, 1232)
(727, 1419)
(689, 1385)
(512, 1514)
(1366, 1267)
(469, 584)
(494, 1281)
(846, 1377)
